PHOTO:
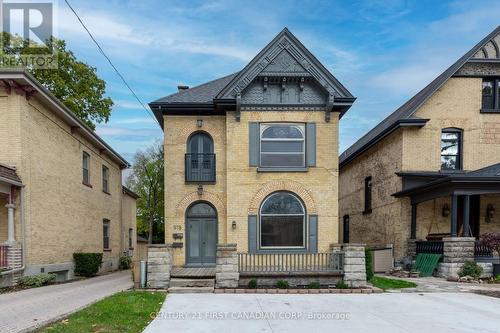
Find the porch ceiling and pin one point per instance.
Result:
(422, 186)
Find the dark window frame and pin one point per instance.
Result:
(130, 236)
(495, 96)
(345, 229)
(105, 179)
(200, 166)
(106, 227)
(86, 168)
(302, 128)
(304, 224)
(368, 195)
(459, 154)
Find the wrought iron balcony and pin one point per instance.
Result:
(200, 168)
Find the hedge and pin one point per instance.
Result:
(87, 264)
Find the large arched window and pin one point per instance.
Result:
(200, 158)
(282, 221)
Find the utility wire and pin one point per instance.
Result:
(148, 111)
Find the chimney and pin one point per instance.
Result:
(182, 88)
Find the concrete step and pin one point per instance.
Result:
(190, 290)
(177, 282)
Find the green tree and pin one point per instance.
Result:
(73, 82)
(147, 180)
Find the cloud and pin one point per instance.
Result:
(123, 132)
(135, 120)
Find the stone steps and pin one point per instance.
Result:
(183, 282)
(190, 290)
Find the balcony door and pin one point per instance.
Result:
(200, 158)
(201, 235)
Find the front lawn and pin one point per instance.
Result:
(386, 283)
(128, 311)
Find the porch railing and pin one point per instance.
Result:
(290, 262)
(3, 256)
(435, 247)
(481, 250)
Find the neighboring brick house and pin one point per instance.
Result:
(252, 158)
(430, 170)
(60, 185)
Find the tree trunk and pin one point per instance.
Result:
(150, 235)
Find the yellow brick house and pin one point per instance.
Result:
(60, 186)
(252, 158)
(429, 174)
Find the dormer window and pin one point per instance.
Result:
(491, 94)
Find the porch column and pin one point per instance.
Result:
(454, 214)
(466, 215)
(11, 236)
(413, 230)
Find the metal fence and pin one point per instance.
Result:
(3, 256)
(481, 250)
(200, 167)
(291, 262)
(435, 247)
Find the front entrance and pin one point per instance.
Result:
(201, 235)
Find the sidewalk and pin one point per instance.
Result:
(27, 309)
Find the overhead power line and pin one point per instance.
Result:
(148, 111)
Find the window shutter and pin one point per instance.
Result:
(254, 144)
(311, 144)
(252, 233)
(313, 233)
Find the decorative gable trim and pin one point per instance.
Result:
(287, 54)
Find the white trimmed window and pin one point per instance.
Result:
(86, 168)
(105, 234)
(282, 145)
(105, 179)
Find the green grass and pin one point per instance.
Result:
(385, 283)
(128, 311)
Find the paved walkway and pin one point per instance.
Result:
(434, 284)
(412, 312)
(27, 309)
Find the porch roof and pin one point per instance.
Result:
(433, 185)
(9, 175)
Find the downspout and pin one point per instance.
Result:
(23, 240)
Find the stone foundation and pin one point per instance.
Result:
(293, 279)
(354, 265)
(226, 269)
(456, 251)
(412, 248)
(159, 266)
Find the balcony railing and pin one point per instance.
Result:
(435, 247)
(200, 167)
(3, 256)
(290, 262)
(482, 250)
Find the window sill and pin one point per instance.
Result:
(490, 110)
(195, 182)
(131, 248)
(106, 250)
(366, 212)
(291, 250)
(106, 192)
(282, 169)
(87, 184)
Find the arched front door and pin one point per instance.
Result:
(201, 234)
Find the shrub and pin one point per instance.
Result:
(470, 268)
(341, 285)
(125, 262)
(87, 264)
(34, 281)
(369, 264)
(491, 240)
(252, 284)
(314, 285)
(282, 284)
(497, 278)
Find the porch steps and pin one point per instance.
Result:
(191, 286)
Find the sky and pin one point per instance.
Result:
(383, 51)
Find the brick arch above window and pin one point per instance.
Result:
(192, 197)
(283, 185)
(209, 128)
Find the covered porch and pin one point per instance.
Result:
(10, 241)
(451, 205)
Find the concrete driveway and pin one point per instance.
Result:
(436, 312)
(27, 309)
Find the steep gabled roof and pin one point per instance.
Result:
(285, 41)
(479, 52)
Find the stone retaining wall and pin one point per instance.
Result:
(456, 251)
(354, 265)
